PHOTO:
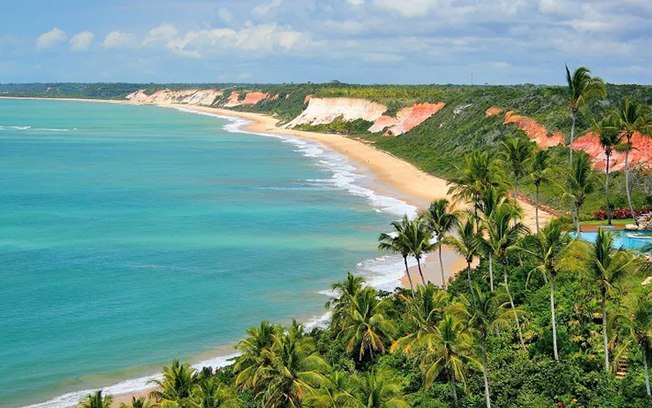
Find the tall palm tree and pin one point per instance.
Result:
(441, 219)
(490, 312)
(449, 351)
(468, 243)
(539, 173)
(419, 239)
(632, 117)
(607, 268)
(504, 230)
(581, 88)
(377, 389)
(479, 172)
(177, 385)
(366, 326)
(347, 290)
(397, 242)
(210, 393)
(335, 392)
(295, 371)
(610, 137)
(516, 154)
(580, 183)
(141, 402)
(96, 400)
(548, 248)
(256, 358)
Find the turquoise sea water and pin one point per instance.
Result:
(130, 235)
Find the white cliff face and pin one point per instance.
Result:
(201, 97)
(325, 110)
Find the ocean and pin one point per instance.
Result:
(132, 235)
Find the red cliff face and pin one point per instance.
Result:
(251, 98)
(493, 111)
(641, 154)
(534, 130)
(406, 119)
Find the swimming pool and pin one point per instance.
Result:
(624, 239)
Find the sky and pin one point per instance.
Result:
(354, 41)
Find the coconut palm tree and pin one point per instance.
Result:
(348, 290)
(504, 230)
(440, 219)
(419, 239)
(491, 199)
(632, 117)
(96, 400)
(210, 393)
(580, 183)
(548, 248)
(539, 173)
(378, 389)
(397, 242)
(177, 385)
(467, 242)
(641, 330)
(607, 268)
(516, 154)
(256, 358)
(490, 312)
(610, 137)
(449, 351)
(335, 392)
(295, 371)
(581, 88)
(365, 327)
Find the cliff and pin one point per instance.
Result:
(406, 119)
(201, 97)
(322, 111)
(641, 153)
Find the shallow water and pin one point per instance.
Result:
(131, 235)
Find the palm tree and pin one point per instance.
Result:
(548, 248)
(295, 371)
(441, 219)
(449, 351)
(467, 243)
(366, 326)
(348, 290)
(608, 267)
(96, 400)
(610, 137)
(581, 88)
(504, 230)
(641, 329)
(177, 385)
(580, 183)
(210, 393)
(490, 312)
(418, 238)
(632, 117)
(397, 242)
(516, 154)
(256, 358)
(334, 392)
(539, 173)
(378, 389)
(141, 402)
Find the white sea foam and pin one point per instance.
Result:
(33, 129)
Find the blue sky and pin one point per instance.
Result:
(358, 41)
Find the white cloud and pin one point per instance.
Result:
(162, 34)
(81, 41)
(51, 38)
(356, 2)
(407, 8)
(116, 39)
(262, 10)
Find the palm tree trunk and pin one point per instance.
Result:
(511, 302)
(606, 191)
(420, 272)
(572, 135)
(536, 207)
(577, 219)
(604, 333)
(646, 371)
(453, 389)
(629, 193)
(491, 273)
(468, 275)
(553, 319)
(484, 372)
(407, 272)
(441, 267)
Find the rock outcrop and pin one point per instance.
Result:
(406, 119)
(321, 111)
(534, 130)
(493, 111)
(641, 154)
(201, 97)
(250, 98)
